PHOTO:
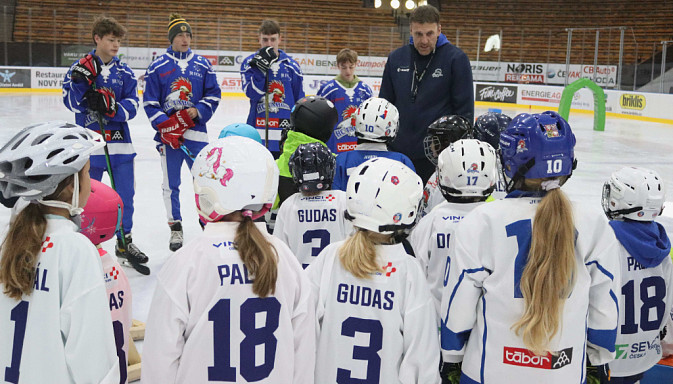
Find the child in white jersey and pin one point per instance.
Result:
(100, 221)
(467, 175)
(55, 325)
(533, 278)
(312, 218)
(632, 199)
(233, 305)
(375, 312)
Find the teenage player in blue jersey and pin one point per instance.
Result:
(181, 95)
(531, 294)
(376, 123)
(632, 199)
(100, 84)
(347, 92)
(273, 82)
(377, 321)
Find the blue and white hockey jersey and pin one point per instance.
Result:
(432, 239)
(347, 162)
(646, 295)
(307, 224)
(117, 78)
(285, 88)
(482, 300)
(181, 80)
(346, 101)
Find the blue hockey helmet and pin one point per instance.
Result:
(489, 126)
(537, 146)
(241, 129)
(312, 167)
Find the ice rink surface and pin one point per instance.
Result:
(624, 142)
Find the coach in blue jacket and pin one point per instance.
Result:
(425, 80)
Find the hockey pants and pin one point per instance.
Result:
(171, 164)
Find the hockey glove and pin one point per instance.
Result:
(102, 101)
(598, 374)
(264, 58)
(86, 70)
(450, 373)
(171, 130)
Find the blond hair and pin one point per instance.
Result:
(259, 256)
(21, 248)
(358, 253)
(548, 278)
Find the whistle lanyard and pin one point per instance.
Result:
(416, 78)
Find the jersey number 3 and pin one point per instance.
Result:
(370, 353)
(220, 315)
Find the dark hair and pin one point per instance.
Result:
(269, 27)
(104, 25)
(424, 14)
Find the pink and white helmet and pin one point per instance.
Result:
(102, 214)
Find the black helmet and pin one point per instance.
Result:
(444, 131)
(488, 127)
(314, 116)
(312, 167)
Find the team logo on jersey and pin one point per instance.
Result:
(46, 244)
(215, 170)
(395, 180)
(551, 130)
(521, 146)
(275, 97)
(180, 96)
(181, 89)
(330, 197)
(388, 269)
(349, 112)
(525, 358)
(397, 217)
(437, 73)
(473, 168)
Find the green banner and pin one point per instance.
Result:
(70, 53)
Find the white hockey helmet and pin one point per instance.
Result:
(634, 193)
(377, 120)
(383, 195)
(40, 156)
(234, 173)
(467, 168)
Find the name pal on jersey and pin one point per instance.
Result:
(233, 274)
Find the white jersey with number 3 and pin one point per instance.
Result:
(482, 299)
(206, 325)
(307, 224)
(62, 332)
(376, 330)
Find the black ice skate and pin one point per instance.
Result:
(130, 255)
(175, 242)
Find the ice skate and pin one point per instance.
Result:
(130, 255)
(175, 242)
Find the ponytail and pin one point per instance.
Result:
(21, 251)
(259, 256)
(358, 254)
(549, 275)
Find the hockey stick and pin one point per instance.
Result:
(143, 269)
(187, 151)
(266, 109)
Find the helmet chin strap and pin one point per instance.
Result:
(73, 208)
